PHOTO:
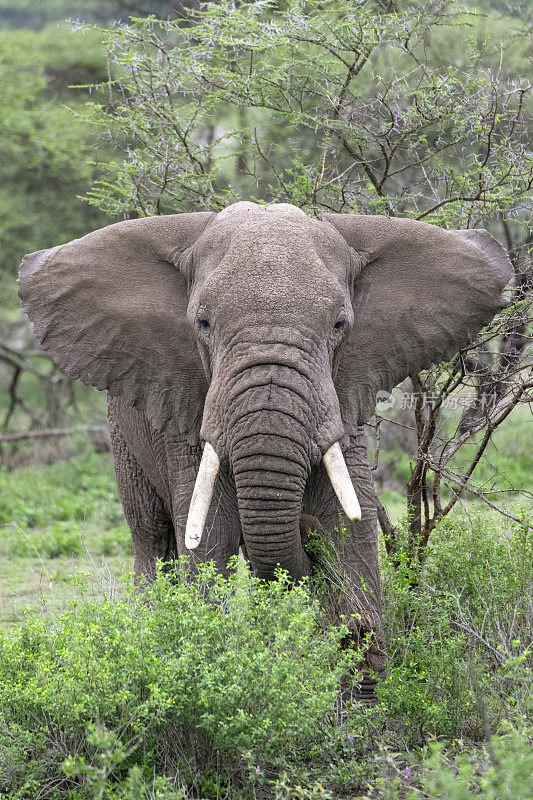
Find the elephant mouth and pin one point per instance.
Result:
(334, 464)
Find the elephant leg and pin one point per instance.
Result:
(357, 551)
(156, 473)
(149, 520)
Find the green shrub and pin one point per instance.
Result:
(500, 770)
(232, 689)
(459, 630)
(191, 677)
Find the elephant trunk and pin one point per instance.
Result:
(270, 476)
(271, 447)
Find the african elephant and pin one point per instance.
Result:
(266, 335)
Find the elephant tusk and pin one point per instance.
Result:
(341, 481)
(201, 497)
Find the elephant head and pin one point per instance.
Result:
(264, 333)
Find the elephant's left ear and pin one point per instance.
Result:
(422, 294)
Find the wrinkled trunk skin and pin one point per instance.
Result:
(270, 448)
(269, 496)
(269, 455)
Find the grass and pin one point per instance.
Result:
(59, 523)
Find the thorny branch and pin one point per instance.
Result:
(437, 447)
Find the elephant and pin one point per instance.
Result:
(242, 352)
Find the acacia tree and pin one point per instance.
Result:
(348, 107)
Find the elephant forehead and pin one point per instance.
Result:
(245, 222)
(271, 275)
(271, 259)
(263, 236)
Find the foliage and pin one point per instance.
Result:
(507, 462)
(46, 154)
(187, 679)
(46, 163)
(28, 14)
(126, 699)
(459, 629)
(172, 693)
(104, 701)
(502, 769)
(370, 117)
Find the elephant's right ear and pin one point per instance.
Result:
(110, 308)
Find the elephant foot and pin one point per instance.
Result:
(364, 691)
(373, 664)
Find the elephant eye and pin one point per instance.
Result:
(340, 324)
(202, 323)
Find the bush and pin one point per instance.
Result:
(237, 689)
(459, 630)
(500, 770)
(203, 679)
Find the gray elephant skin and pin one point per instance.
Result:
(260, 337)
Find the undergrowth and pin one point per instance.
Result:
(235, 688)
(232, 688)
(208, 685)
(459, 630)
